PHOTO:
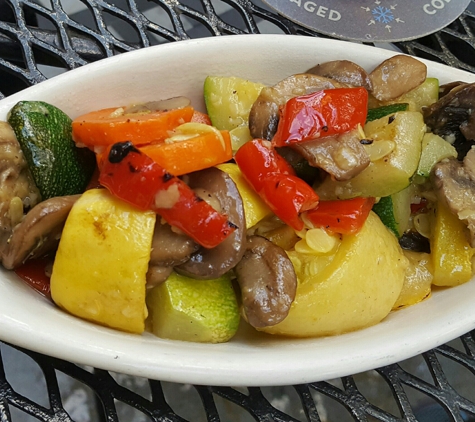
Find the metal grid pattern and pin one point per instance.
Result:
(414, 390)
(45, 37)
(68, 34)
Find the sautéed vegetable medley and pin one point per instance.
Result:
(312, 207)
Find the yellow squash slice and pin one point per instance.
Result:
(348, 289)
(102, 259)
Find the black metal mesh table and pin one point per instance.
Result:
(39, 39)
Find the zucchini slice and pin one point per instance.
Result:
(58, 167)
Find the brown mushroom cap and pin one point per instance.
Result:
(170, 248)
(343, 71)
(213, 263)
(268, 282)
(343, 156)
(453, 117)
(396, 76)
(157, 274)
(264, 115)
(39, 232)
(454, 184)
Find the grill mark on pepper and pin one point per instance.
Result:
(133, 169)
(120, 150)
(167, 177)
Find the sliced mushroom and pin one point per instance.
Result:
(157, 274)
(268, 282)
(396, 76)
(446, 88)
(342, 156)
(170, 248)
(17, 189)
(344, 71)
(161, 105)
(453, 117)
(213, 263)
(454, 183)
(264, 115)
(39, 232)
(300, 164)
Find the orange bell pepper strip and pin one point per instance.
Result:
(105, 127)
(341, 216)
(196, 153)
(132, 176)
(199, 117)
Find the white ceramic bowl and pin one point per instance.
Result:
(30, 321)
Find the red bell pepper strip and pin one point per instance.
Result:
(322, 113)
(341, 216)
(275, 182)
(420, 207)
(33, 272)
(135, 178)
(257, 159)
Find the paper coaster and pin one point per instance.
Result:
(371, 20)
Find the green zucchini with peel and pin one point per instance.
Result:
(378, 112)
(203, 311)
(423, 96)
(228, 103)
(395, 210)
(434, 149)
(58, 167)
(391, 173)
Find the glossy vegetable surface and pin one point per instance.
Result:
(105, 287)
(275, 181)
(335, 293)
(341, 216)
(135, 178)
(204, 311)
(323, 113)
(284, 242)
(390, 173)
(105, 127)
(190, 148)
(58, 167)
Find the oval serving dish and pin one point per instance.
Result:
(250, 359)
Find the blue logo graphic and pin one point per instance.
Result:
(382, 14)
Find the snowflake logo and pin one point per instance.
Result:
(382, 14)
